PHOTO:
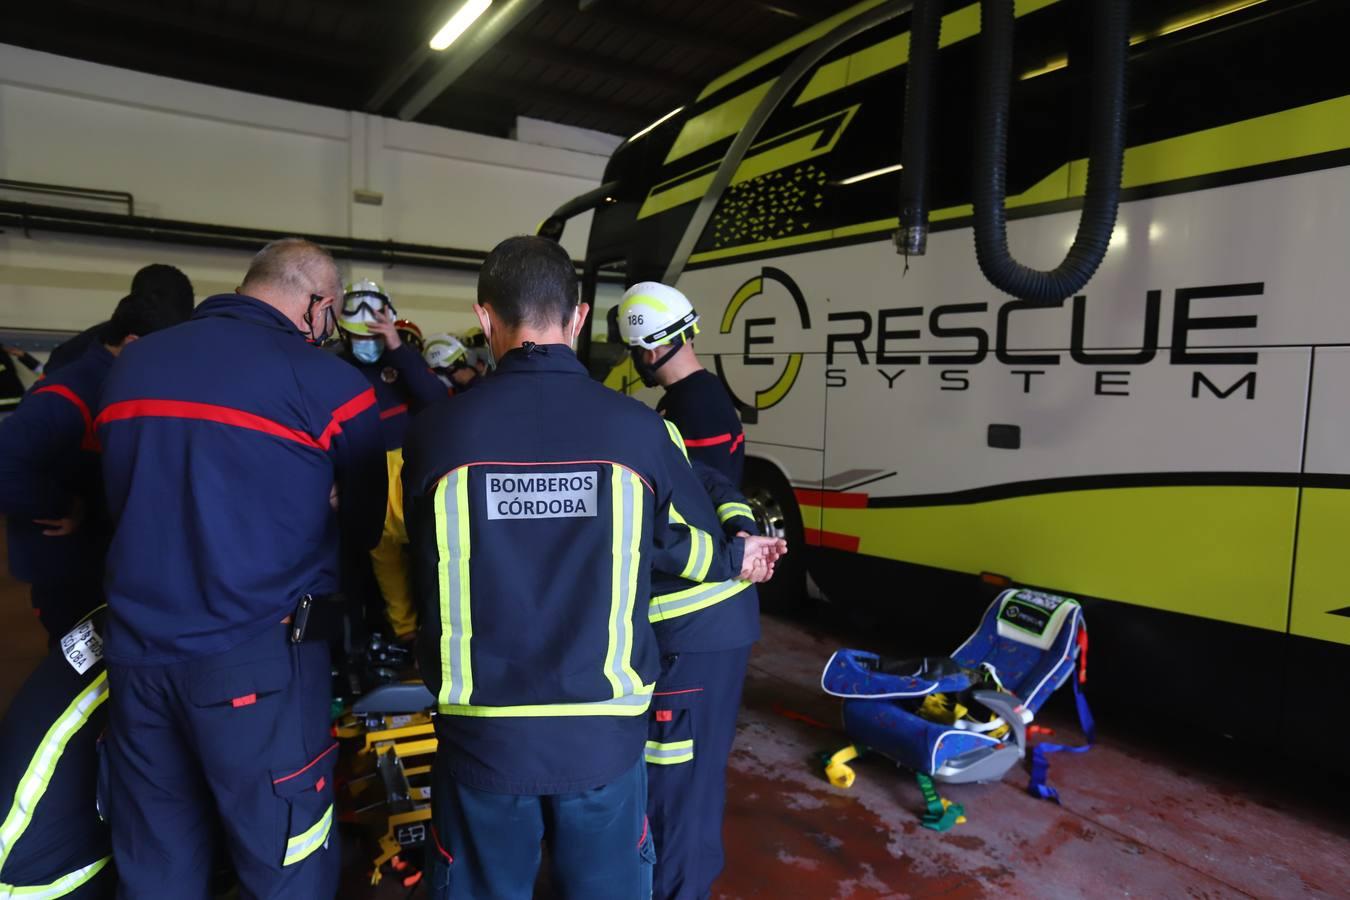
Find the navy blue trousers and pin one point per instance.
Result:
(692, 728)
(235, 744)
(487, 845)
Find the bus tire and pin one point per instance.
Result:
(777, 514)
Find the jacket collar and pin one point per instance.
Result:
(246, 309)
(543, 358)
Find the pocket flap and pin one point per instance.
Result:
(237, 684)
(312, 776)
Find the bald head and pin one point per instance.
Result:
(288, 274)
(293, 266)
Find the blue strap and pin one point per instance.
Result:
(1040, 765)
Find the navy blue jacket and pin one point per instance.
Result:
(58, 832)
(538, 505)
(700, 405)
(223, 439)
(404, 386)
(693, 617)
(48, 462)
(70, 350)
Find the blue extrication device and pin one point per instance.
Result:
(964, 718)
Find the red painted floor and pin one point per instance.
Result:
(1140, 817)
(1135, 820)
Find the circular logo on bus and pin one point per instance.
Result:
(768, 286)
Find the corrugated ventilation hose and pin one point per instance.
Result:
(1105, 154)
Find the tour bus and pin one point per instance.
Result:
(1170, 444)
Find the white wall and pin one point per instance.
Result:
(206, 154)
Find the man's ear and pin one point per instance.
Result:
(484, 320)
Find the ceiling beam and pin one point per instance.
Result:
(677, 33)
(608, 67)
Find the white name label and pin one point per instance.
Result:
(555, 495)
(82, 647)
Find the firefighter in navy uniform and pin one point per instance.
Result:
(53, 842)
(375, 343)
(538, 505)
(658, 323)
(50, 487)
(228, 486)
(705, 631)
(167, 283)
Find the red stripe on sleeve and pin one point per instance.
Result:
(708, 442)
(206, 412)
(347, 411)
(90, 439)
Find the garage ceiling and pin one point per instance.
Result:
(610, 65)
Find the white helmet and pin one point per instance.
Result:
(443, 350)
(360, 302)
(652, 314)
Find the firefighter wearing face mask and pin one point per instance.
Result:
(705, 634)
(384, 350)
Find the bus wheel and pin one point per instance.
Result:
(777, 515)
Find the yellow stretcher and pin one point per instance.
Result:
(387, 745)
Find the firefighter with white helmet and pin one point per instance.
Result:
(375, 341)
(705, 652)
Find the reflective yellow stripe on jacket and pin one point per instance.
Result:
(630, 697)
(453, 552)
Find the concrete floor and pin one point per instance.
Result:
(1142, 815)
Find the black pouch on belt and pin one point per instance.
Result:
(319, 617)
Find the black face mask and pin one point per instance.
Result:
(648, 372)
(330, 326)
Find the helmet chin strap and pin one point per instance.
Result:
(648, 372)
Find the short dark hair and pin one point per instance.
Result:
(141, 314)
(529, 280)
(168, 282)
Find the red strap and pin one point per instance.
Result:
(246, 700)
(740, 439)
(1082, 655)
(642, 840)
(393, 411)
(436, 839)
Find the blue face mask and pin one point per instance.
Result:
(368, 350)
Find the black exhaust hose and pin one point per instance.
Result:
(925, 29)
(1105, 154)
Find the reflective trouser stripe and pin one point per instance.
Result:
(302, 845)
(453, 553)
(59, 888)
(675, 752)
(632, 705)
(626, 557)
(728, 511)
(682, 603)
(33, 784)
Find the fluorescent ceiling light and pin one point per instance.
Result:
(669, 115)
(1172, 27)
(459, 23)
(854, 179)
